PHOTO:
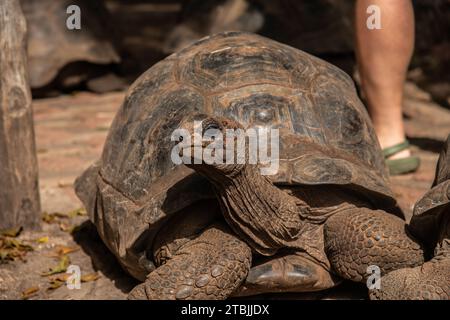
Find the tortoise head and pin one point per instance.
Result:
(211, 145)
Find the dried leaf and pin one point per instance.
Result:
(55, 284)
(65, 227)
(64, 262)
(5, 256)
(48, 218)
(12, 249)
(90, 277)
(70, 228)
(62, 219)
(60, 277)
(29, 292)
(57, 281)
(62, 250)
(77, 212)
(59, 215)
(53, 217)
(13, 232)
(42, 239)
(14, 243)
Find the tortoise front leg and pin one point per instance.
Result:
(360, 237)
(357, 238)
(211, 266)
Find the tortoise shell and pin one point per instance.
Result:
(326, 136)
(429, 211)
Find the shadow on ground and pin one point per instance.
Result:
(102, 259)
(427, 144)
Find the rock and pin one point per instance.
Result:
(106, 83)
(51, 45)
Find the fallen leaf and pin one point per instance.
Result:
(12, 232)
(63, 263)
(14, 243)
(65, 227)
(57, 281)
(5, 256)
(53, 217)
(29, 292)
(69, 228)
(55, 284)
(62, 250)
(48, 218)
(77, 212)
(90, 277)
(59, 214)
(42, 239)
(12, 249)
(60, 277)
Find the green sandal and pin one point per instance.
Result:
(402, 165)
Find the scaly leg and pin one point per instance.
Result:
(360, 237)
(211, 266)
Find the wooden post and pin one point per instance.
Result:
(19, 187)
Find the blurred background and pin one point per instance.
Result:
(120, 39)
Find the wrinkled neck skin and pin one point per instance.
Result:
(262, 214)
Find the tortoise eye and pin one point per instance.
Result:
(180, 139)
(211, 131)
(211, 126)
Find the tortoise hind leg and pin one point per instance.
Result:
(211, 266)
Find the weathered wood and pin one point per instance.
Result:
(19, 187)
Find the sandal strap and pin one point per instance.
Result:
(403, 165)
(390, 151)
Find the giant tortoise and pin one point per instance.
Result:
(208, 231)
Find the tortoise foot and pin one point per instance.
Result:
(211, 266)
(431, 281)
(288, 273)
